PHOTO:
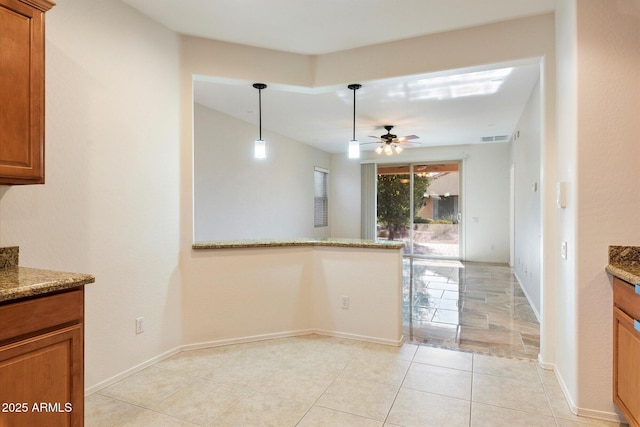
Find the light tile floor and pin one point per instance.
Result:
(322, 381)
(468, 306)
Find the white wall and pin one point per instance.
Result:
(598, 129)
(526, 151)
(500, 42)
(110, 203)
(485, 195)
(239, 197)
(372, 279)
(344, 193)
(565, 291)
(242, 294)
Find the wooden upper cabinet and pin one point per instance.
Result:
(22, 91)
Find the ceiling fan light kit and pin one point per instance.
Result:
(354, 145)
(260, 146)
(390, 143)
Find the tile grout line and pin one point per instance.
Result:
(400, 386)
(144, 408)
(546, 395)
(315, 402)
(473, 367)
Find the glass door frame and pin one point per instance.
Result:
(460, 216)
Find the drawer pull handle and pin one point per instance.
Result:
(636, 325)
(638, 288)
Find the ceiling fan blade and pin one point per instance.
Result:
(376, 137)
(408, 137)
(367, 143)
(409, 143)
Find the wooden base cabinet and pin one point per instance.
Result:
(626, 351)
(41, 368)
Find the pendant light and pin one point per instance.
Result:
(260, 148)
(354, 146)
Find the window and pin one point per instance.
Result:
(321, 197)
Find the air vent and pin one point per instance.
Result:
(497, 138)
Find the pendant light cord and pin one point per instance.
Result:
(260, 86)
(354, 115)
(260, 111)
(354, 87)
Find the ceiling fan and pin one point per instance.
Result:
(391, 142)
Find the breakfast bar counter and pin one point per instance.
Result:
(283, 243)
(349, 288)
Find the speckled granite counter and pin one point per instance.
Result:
(21, 282)
(338, 243)
(624, 263)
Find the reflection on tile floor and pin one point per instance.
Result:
(322, 381)
(474, 307)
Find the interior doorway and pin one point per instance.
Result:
(420, 204)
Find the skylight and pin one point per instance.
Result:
(455, 86)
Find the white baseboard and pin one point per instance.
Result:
(601, 415)
(524, 290)
(130, 371)
(243, 340)
(545, 365)
(582, 412)
(230, 341)
(395, 343)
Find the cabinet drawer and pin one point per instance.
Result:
(26, 317)
(626, 298)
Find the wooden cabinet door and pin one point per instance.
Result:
(626, 366)
(22, 91)
(41, 380)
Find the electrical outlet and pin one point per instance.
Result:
(139, 325)
(345, 301)
(563, 250)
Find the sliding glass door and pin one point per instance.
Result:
(419, 204)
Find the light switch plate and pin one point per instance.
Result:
(561, 195)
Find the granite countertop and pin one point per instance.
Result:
(279, 243)
(624, 263)
(20, 282)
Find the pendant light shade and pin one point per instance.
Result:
(354, 145)
(354, 149)
(260, 147)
